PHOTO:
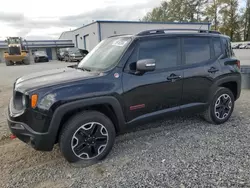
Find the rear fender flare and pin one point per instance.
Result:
(223, 80)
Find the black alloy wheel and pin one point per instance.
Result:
(223, 106)
(89, 140)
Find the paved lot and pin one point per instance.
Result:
(243, 55)
(178, 152)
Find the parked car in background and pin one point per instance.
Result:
(40, 56)
(236, 46)
(61, 54)
(72, 55)
(247, 46)
(242, 46)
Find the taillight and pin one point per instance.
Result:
(238, 64)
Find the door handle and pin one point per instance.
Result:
(173, 77)
(213, 70)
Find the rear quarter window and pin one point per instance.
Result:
(227, 47)
(217, 47)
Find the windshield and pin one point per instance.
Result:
(62, 50)
(73, 50)
(40, 53)
(106, 54)
(13, 41)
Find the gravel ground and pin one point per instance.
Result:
(178, 152)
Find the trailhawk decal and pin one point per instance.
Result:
(138, 106)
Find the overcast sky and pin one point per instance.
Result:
(47, 19)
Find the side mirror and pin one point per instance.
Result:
(145, 65)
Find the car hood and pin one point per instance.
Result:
(51, 77)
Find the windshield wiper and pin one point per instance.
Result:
(84, 69)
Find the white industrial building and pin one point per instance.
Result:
(88, 36)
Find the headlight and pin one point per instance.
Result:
(47, 101)
(24, 101)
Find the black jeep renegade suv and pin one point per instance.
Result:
(125, 80)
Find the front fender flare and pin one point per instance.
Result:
(63, 109)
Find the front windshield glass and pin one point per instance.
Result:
(73, 50)
(76, 51)
(106, 54)
(13, 41)
(40, 53)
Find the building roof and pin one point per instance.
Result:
(137, 22)
(42, 43)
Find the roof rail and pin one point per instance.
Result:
(118, 35)
(163, 31)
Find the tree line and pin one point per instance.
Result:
(227, 16)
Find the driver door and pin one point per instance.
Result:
(153, 94)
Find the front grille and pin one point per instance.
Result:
(14, 50)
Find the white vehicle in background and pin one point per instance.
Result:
(247, 46)
(242, 46)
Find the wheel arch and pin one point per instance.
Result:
(232, 82)
(107, 105)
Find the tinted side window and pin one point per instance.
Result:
(217, 46)
(196, 49)
(227, 47)
(164, 51)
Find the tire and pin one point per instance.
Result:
(79, 128)
(218, 112)
(66, 59)
(26, 61)
(8, 63)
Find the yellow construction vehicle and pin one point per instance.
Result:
(17, 53)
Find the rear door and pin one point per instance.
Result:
(201, 68)
(156, 93)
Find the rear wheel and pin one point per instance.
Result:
(221, 107)
(87, 138)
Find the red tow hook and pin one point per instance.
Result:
(12, 136)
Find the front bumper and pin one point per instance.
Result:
(42, 59)
(76, 58)
(39, 141)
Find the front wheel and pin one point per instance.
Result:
(87, 138)
(8, 63)
(26, 61)
(221, 107)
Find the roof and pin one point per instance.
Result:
(42, 43)
(173, 32)
(137, 22)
